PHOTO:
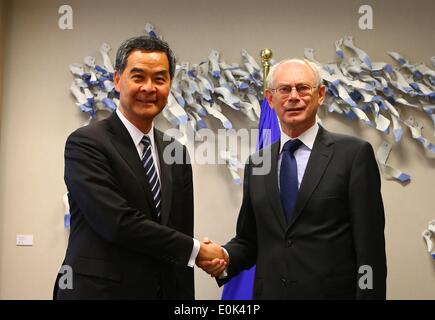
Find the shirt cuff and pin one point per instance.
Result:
(194, 254)
(224, 274)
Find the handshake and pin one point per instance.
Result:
(212, 258)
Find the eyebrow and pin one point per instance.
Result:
(139, 70)
(297, 84)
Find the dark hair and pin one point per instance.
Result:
(145, 43)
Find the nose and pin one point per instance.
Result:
(147, 86)
(293, 95)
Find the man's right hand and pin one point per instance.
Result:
(211, 258)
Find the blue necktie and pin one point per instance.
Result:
(288, 177)
(151, 173)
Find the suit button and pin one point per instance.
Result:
(289, 243)
(284, 282)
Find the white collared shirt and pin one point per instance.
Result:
(302, 154)
(137, 136)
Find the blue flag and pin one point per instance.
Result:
(268, 127)
(241, 287)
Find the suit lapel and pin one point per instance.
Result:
(165, 177)
(321, 154)
(271, 182)
(127, 150)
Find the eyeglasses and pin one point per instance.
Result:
(302, 89)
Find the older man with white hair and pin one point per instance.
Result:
(314, 223)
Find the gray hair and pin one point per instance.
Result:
(271, 76)
(145, 43)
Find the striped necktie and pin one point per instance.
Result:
(151, 173)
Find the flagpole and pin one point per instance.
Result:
(241, 287)
(266, 55)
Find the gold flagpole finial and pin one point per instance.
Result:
(266, 55)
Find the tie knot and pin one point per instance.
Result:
(292, 145)
(146, 141)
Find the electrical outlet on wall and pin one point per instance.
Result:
(24, 239)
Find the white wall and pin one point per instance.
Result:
(37, 113)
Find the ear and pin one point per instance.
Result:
(116, 80)
(322, 94)
(269, 96)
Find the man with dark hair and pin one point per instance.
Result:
(131, 211)
(144, 44)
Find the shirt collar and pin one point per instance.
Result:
(134, 132)
(307, 137)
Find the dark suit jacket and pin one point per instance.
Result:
(116, 249)
(336, 228)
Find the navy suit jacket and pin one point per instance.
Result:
(337, 226)
(116, 250)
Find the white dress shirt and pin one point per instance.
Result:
(136, 136)
(302, 154)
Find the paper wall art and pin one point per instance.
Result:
(377, 94)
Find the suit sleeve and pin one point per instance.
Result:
(242, 249)
(368, 221)
(185, 276)
(92, 184)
